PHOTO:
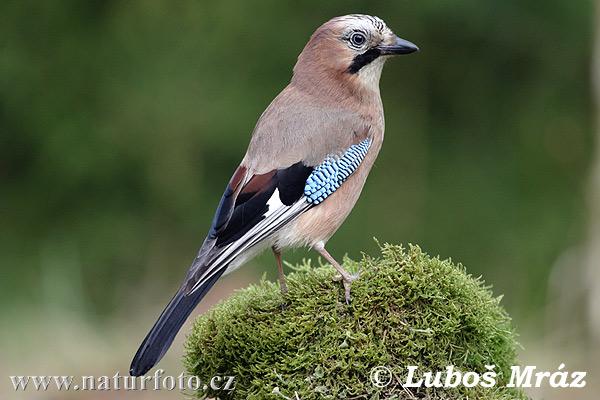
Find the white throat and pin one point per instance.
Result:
(370, 74)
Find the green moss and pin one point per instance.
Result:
(407, 309)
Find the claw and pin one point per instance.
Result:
(348, 279)
(283, 287)
(347, 291)
(344, 275)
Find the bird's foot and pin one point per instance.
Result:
(347, 280)
(283, 287)
(284, 305)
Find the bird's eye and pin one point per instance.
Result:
(357, 39)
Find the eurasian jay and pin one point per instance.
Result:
(305, 167)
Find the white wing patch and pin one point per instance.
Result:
(277, 215)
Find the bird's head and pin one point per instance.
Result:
(352, 48)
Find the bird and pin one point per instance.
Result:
(306, 164)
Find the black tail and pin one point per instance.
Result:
(160, 337)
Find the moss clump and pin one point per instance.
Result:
(407, 309)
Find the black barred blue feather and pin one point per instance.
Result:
(328, 176)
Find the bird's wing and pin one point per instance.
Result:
(253, 207)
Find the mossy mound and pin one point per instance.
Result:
(407, 309)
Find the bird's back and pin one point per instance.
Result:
(300, 125)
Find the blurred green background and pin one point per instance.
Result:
(121, 122)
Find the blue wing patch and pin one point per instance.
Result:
(328, 176)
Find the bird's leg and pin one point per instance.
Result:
(347, 277)
(282, 283)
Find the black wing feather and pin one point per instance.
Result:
(240, 209)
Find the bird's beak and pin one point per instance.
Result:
(399, 46)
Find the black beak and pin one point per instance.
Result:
(400, 46)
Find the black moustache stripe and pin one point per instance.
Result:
(363, 59)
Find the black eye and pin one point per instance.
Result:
(357, 39)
